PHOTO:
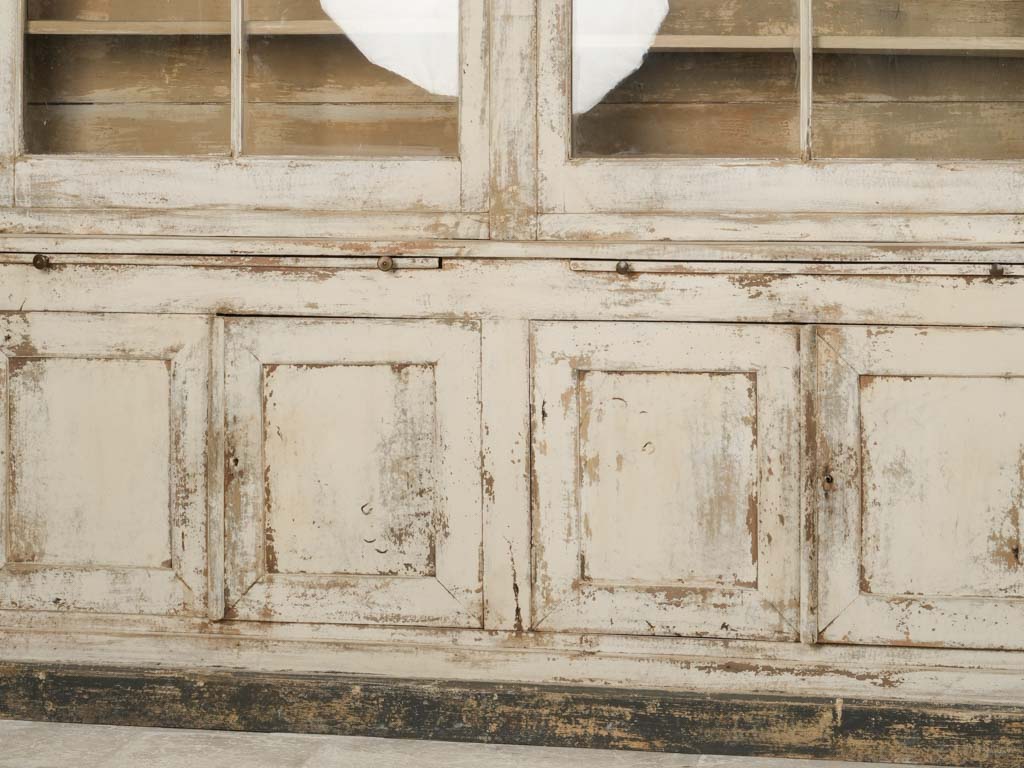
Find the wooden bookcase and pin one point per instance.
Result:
(690, 422)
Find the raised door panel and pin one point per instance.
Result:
(353, 472)
(666, 479)
(104, 508)
(921, 457)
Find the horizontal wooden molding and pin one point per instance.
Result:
(663, 721)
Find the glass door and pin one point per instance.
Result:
(800, 107)
(323, 105)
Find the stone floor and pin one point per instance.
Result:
(45, 745)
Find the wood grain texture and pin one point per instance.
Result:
(660, 721)
(688, 130)
(11, 67)
(513, 120)
(129, 10)
(128, 129)
(1002, 18)
(358, 130)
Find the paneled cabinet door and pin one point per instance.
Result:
(920, 452)
(666, 479)
(353, 488)
(277, 105)
(103, 483)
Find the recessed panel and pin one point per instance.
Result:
(350, 460)
(943, 486)
(90, 462)
(668, 477)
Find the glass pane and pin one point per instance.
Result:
(128, 77)
(370, 78)
(686, 78)
(919, 79)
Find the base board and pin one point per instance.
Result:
(535, 715)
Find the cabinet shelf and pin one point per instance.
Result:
(979, 46)
(156, 28)
(210, 28)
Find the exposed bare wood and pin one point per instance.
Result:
(918, 18)
(926, 131)
(358, 130)
(688, 130)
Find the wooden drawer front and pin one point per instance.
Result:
(666, 479)
(104, 508)
(353, 472)
(921, 455)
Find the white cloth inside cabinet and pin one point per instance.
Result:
(610, 39)
(419, 40)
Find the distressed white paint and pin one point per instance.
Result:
(518, 289)
(588, 502)
(104, 463)
(683, 186)
(355, 447)
(90, 462)
(920, 533)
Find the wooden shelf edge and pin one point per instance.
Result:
(129, 28)
(985, 46)
(992, 46)
(207, 28)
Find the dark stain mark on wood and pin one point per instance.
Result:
(663, 721)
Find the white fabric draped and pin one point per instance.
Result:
(419, 40)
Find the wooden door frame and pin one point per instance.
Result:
(394, 186)
(847, 611)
